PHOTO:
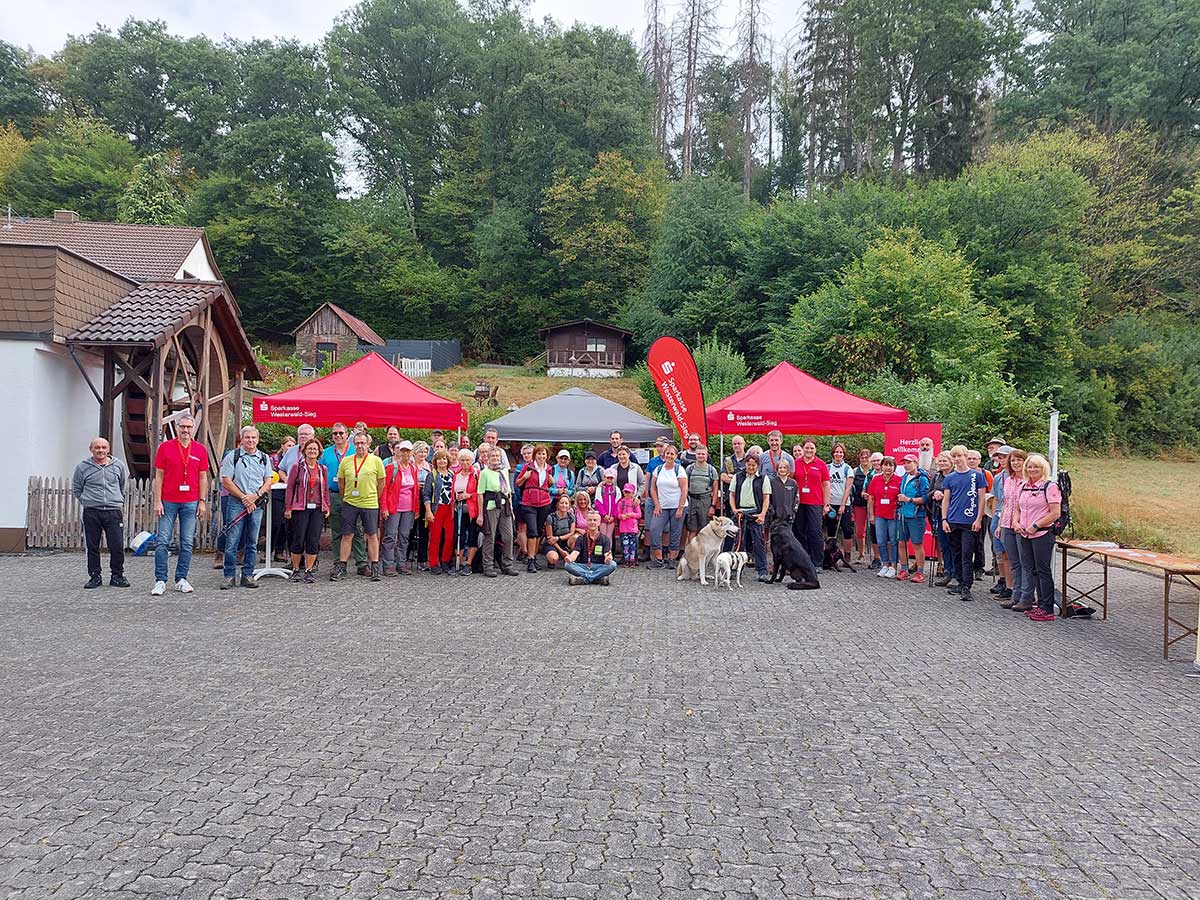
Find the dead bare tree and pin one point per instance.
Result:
(697, 31)
(657, 60)
(750, 25)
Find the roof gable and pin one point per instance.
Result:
(361, 329)
(137, 252)
(590, 322)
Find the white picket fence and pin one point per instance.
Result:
(416, 368)
(54, 518)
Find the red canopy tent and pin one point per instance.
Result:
(794, 402)
(369, 390)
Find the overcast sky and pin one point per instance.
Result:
(47, 28)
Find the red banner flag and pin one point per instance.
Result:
(675, 376)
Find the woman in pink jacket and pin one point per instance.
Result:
(306, 505)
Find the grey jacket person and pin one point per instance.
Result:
(100, 487)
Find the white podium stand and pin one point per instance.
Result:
(269, 568)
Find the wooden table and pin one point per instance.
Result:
(1172, 567)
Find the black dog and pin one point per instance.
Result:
(792, 559)
(835, 557)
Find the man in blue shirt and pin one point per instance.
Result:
(963, 494)
(246, 476)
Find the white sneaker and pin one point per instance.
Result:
(183, 587)
(882, 573)
(160, 588)
(891, 571)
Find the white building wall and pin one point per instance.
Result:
(578, 372)
(49, 415)
(196, 265)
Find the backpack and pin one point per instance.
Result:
(1063, 522)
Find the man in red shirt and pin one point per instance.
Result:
(812, 479)
(180, 486)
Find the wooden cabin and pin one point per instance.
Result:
(331, 332)
(585, 348)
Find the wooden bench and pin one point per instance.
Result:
(1187, 571)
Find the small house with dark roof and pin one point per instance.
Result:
(585, 348)
(112, 330)
(331, 332)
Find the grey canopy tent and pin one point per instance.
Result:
(577, 416)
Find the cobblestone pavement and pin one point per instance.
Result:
(519, 738)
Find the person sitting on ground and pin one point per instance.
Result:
(583, 506)
(607, 498)
(307, 506)
(629, 512)
(589, 477)
(363, 481)
(591, 560)
(560, 531)
(99, 484)
(913, 486)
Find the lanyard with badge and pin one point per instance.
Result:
(186, 455)
(358, 464)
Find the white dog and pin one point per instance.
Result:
(729, 567)
(704, 547)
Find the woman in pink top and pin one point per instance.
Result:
(399, 503)
(1038, 508)
(1012, 476)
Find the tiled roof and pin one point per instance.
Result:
(149, 313)
(360, 328)
(138, 252)
(152, 312)
(593, 322)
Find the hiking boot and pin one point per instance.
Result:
(1023, 606)
(965, 595)
(530, 566)
(339, 571)
(954, 589)
(1040, 615)
(875, 564)
(603, 581)
(464, 572)
(94, 582)
(376, 571)
(297, 576)
(487, 574)
(943, 580)
(249, 582)
(406, 569)
(389, 571)
(510, 571)
(309, 577)
(574, 580)
(228, 585)
(1008, 604)
(364, 570)
(122, 581)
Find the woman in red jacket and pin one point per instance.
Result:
(466, 510)
(306, 506)
(534, 482)
(437, 496)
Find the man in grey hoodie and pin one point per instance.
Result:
(99, 485)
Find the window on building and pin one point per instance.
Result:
(326, 352)
(596, 345)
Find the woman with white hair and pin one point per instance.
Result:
(466, 510)
(1039, 505)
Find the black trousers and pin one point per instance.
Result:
(810, 531)
(980, 561)
(110, 523)
(962, 544)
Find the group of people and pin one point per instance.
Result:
(451, 510)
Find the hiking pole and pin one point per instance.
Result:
(259, 504)
(458, 550)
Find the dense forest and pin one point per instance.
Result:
(967, 207)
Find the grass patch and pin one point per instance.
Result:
(1144, 503)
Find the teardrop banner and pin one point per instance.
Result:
(674, 372)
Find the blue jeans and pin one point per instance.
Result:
(662, 522)
(1017, 583)
(949, 563)
(243, 534)
(590, 572)
(185, 514)
(887, 536)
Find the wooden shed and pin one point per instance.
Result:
(330, 332)
(585, 348)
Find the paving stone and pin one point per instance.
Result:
(431, 737)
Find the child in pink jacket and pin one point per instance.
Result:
(607, 500)
(629, 510)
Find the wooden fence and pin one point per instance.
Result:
(54, 517)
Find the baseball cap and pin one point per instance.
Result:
(907, 457)
(610, 472)
(1006, 450)
(629, 488)
(660, 439)
(562, 453)
(589, 455)
(404, 445)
